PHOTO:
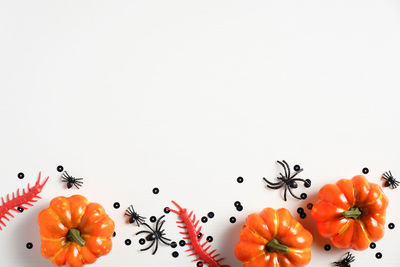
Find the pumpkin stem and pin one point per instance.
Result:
(274, 246)
(353, 213)
(74, 235)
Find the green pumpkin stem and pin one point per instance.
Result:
(353, 213)
(274, 246)
(74, 235)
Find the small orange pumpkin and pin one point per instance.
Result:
(273, 238)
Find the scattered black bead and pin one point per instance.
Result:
(199, 235)
(210, 238)
(296, 168)
(174, 244)
(60, 168)
(232, 219)
(21, 175)
(240, 179)
(29, 245)
(210, 215)
(378, 255)
(391, 225)
(204, 219)
(175, 254)
(239, 208)
(300, 210)
(153, 219)
(237, 204)
(199, 264)
(114, 234)
(128, 242)
(307, 183)
(303, 195)
(310, 206)
(116, 205)
(142, 241)
(365, 170)
(327, 247)
(166, 210)
(20, 209)
(303, 215)
(372, 245)
(156, 190)
(182, 243)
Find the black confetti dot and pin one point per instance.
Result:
(240, 179)
(204, 219)
(237, 204)
(300, 210)
(156, 190)
(310, 206)
(182, 243)
(365, 171)
(239, 208)
(296, 168)
(232, 219)
(116, 205)
(20, 209)
(372, 245)
(307, 183)
(142, 241)
(166, 210)
(210, 238)
(29, 245)
(173, 244)
(327, 247)
(199, 264)
(378, 255)
(114, 234)
(210, 215)
(128, 242)
(175, 254)
(21, 175)
(303, 195)
(303, 215)
(391, 225)
(60, 168)
(153, 219)
(199, 235)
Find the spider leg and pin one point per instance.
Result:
(288, 168)
(270, 183)
(158, 222)
(78, 179)
(274, 187)
(160, 226)
(152, 243)
(155, 250)
(284, 168)
(76, 185)
(284, 194)
(293, 195)
(144, 232)
(166, 243)
(299, 179)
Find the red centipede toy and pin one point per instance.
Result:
(191, 233)
(18, 201)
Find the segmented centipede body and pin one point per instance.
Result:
(16, 201)
(190, 224)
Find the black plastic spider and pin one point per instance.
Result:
(345, 262)
(134, 216)
(288, 180)
(390, 181)
(155, 235)
(66, 178)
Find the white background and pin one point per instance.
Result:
(188, 95)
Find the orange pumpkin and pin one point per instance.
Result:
(74, 231)
(351, 212)
(273, 238)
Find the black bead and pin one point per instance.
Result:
(232, 219)
(391, 225)
(114, 234)
(378, 255)
(303, 195)
(166, 210)
(365, 170)
(29, 245)
(239, 208)
(60, 168)
(372, 245)
(210, 238)
(240, 179)
(296, 168)
(175, 254)
(20, 209)
(153, 219)
(300, 210)
(116, 205)
(21, 175)
(310, 206)
(327, 247)
(237, 203)
(204, 219)
(128, 242)
(142, 241)
(199, 264)
(182, 243)
(210, 215)
(307, 183)
(303, 215)
(173, 244)
(156, 190)
(199, 235)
